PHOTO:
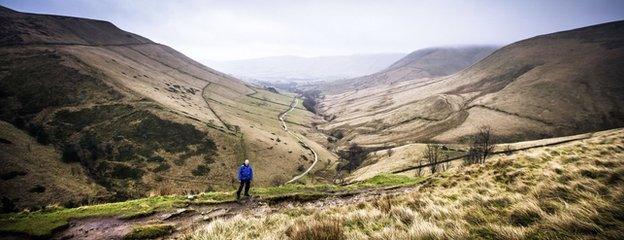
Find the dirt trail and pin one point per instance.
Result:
(186, 219)
(183, 219)
(281, 118)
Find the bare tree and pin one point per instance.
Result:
(390, 151)
(432, 154)
(485, 141)
(419, 172)
(482, 145)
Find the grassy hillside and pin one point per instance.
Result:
(552, 85)
(32, 175)
(138, 117)
(423, 63)
(572, 191)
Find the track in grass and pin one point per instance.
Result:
(285, 127)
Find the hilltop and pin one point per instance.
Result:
(423, 63)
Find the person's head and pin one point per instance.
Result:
(246, 161)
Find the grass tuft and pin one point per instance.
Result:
(324, 229)
(149, 231)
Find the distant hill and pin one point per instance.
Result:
(306, 69)
(552, 85)
(424, 63)
(126, 117)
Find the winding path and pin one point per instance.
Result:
(281, 117)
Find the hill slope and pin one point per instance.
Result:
(552, 85)
(424, 63)
(572, 191)
(139, 117)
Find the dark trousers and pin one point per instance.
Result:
(246, 184)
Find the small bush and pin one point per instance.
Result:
(124, 172)
(277, 180)
(37, 189)
(156, 158)
(90, 143)
(125, 153)
(12, 174)
(161, 167)
(201, 170)
(39, 133)
(70, 153)
(300, 168)
(8, 205)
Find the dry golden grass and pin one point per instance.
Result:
(572, 191)
(525, 90)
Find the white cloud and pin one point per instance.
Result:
(237, 29)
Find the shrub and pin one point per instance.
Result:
(8, 205)
(300, 168)
(39, 133)
(389, 152)
(201, 170)
(162, 167)
(125, 153)
(338, 134)
(277, 180)
(37, 189)
(12, 174)
(124, 172)
(70, 153)
(156, 158)
(89, 142)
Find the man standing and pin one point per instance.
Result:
(245, 175)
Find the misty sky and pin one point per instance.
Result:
(226, 30)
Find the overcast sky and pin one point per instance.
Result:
(236, 29)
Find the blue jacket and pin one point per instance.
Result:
(245, 173)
